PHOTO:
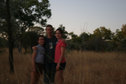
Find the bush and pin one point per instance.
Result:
(3, 43)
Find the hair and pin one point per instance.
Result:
(60, 30)
(36, 39)
(40, 36)
(49, 26)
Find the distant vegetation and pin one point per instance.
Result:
(102, 39)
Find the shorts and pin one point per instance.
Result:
(39, 67)
(62, 66)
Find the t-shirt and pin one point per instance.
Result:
(40, 54)
(50, 44)
(59, 44)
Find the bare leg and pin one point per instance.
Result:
(34, 77)
(59, 77)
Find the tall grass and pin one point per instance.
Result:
(95, 68)
(82, 68)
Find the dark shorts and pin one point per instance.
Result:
(39, 68)
(62, 66)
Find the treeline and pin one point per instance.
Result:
(102, 39)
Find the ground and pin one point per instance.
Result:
(83, 67)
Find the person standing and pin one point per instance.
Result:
(59, 57)
(37, 60)
(50, 68)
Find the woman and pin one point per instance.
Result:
(37, 60)
(59, 57)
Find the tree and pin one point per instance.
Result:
(72, 35)
(38, 30)
(123, 29)
(65, 33)
(84, 40)
(3, 42)
(29, 39)
(84, 36)
(29, 12)
(10, 38)
(74, 41)
(22, 14)
(120, 38)
(123, 42)
(103, 33)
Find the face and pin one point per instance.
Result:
(41, 40)
(58, 34)
(49, 30)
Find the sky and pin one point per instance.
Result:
(86, 15)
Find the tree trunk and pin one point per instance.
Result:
(10, 38)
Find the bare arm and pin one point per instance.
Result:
(61, 57)
(62, 54)
(33, 57)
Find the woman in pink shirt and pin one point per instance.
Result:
(59, 57)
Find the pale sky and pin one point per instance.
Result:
(86, 15)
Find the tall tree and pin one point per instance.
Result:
(10, 39)
(18, 15)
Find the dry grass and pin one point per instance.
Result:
(95, 68)
(22, 65)
(82, 68)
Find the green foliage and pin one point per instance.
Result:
(84, 36)
(29, 39)
(28, 12)
(65, 33)
(123, 29)
(37, 30)
(3, 43)
(101, 40)
(103, 33)
(24, 14)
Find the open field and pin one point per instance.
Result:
(82, 68)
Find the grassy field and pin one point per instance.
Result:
(82, 68)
